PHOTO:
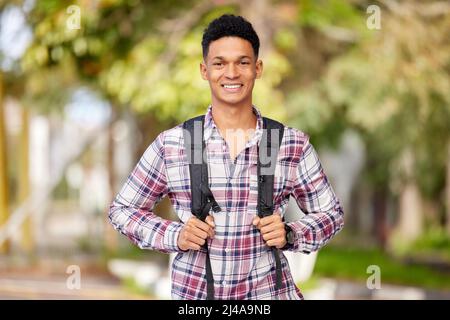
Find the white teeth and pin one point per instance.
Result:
(233, 86)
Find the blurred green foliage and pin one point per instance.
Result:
(434, 243)
(351, 264)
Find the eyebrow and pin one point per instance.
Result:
(223, 58)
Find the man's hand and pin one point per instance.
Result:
(272, 229)
(194, 233)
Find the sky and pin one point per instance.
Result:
(15, 34)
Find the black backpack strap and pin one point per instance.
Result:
(267, 159)
(202, 199)
(193, 146)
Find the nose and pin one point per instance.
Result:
(231, 71)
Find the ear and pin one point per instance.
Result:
(259, 68)
(203, 70)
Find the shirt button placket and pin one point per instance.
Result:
(229, 194)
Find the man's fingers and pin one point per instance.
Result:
(265, 221)
(278, 243)
(195, 239)
(210, 221)
(200, 224)
(260, 223)
(185, 241)
(256, 221)
(205, 226)
(211, 233)
(273, 235)
(193, 246)
(190, 241)
(271, 227)
(196, 231)
(270, 219)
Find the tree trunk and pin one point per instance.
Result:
(380, 215)
(447, 193)
(410, 224)
(111, 241)
(4, 208)
(258, 12)
(24, 181)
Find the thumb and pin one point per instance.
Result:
(256, 220)
(210, 220)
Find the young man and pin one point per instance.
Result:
(239, 243)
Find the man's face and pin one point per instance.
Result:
(231, 69)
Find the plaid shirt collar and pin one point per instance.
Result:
(210, 127)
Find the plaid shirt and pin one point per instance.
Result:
(242, 264)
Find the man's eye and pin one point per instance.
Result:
(217, 63)
(245, 62)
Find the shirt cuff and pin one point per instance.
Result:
(300, 240)
(171, 235)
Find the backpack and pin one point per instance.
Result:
(202, 197)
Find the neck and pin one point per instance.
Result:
(233, 117)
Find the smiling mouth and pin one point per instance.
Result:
(232, 87)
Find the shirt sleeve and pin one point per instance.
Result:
(131, 212)
(324, 216)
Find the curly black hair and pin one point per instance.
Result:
(229, 25)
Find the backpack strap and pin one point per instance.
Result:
(202, 199)
(267, 160)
